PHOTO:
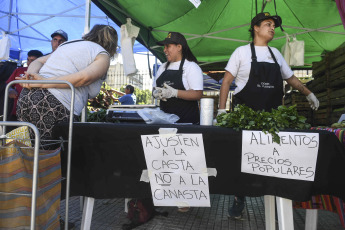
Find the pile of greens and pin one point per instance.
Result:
(97, 116)
(272, 122)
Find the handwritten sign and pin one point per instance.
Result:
(177, 169)
(294, 158)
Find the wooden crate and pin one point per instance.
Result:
(296, 98)
(301, 103)
(336, 113)
(337, 97)
(328, 86)
(319, 68)
(319, 85)
(336, 58)
(323, 98)
(337, 76)
(320, 122)
(321, 116)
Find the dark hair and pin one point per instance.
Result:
(251, 30)
(105, 36)
(130, 88)
(35, 53)
(186, 53)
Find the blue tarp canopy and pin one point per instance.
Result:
(30, 23)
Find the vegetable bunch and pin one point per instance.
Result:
(97, 116)
(272, 122)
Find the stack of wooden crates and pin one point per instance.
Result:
(329, 87)
(302, 105)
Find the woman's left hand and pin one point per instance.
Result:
(30, 76)
(168, 91)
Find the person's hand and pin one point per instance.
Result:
(168, 91)
(313, 101)
(221, 111)
(12, 93)
(157, 93)
(30, 76)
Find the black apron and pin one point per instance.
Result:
(188, 111)
(264, 89)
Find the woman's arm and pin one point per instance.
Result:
(297, 84)
(224, 89)
(189, 95)
(90, 74)
(36, 65)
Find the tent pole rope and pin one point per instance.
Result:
(263, 5)
(275, 8)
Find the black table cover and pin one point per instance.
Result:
(108, 159)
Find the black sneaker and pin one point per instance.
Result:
(237, 209)
(70, 225)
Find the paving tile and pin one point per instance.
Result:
(108, 214)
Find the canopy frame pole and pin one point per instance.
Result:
(45, 19)
(87, 16)
(52, 15)
(47, 39)
(9, 17)
(40, 39)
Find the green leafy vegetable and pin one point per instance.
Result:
(97, 116)
(281, 118)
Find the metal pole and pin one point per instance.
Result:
(37, 142)
(9, 17)
(87, 16)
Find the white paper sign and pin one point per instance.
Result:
(294, 158)
(183, 189)
(177, 169)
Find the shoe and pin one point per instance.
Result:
(70, 225)
(237, 209)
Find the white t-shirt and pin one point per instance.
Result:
(68, 59)
(192, 77)
(240, 61)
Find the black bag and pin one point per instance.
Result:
(140, 211)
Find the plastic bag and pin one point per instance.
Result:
(286, 49)
(157, 116)
(296, 52)
(129, 33)
(293, 51)
(5, 45)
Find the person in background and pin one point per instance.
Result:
(259, 71)
(6, 69)
(84, 63)
(58, 37)
(15, 89)
(129, 98)
(179, 81)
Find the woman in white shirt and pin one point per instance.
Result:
(259, 71)
(179, 81)
(84, 63)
